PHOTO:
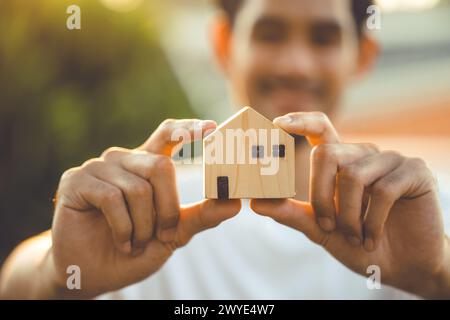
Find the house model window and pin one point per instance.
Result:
(279, 150)
(258, 152)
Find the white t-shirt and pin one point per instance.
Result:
(253, 257)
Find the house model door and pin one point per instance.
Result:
(223, 188)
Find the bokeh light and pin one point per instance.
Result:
(121, 5)
(407, 5)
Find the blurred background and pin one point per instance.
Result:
(65, 96)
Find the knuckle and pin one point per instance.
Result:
(393, 154)
(420, 167)
(111, 195)
(384, 189)
(162, 164)
(431, 179)
(108, 151)
(325, 152)
(351, 174)
(70, 174)
(111, 152)
(92, 164)
(140, 189)
(145, 159)
(418, 164)
(371, 147)
(69, 179)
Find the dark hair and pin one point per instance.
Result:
(359, 10)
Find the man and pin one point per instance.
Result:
(118, 217)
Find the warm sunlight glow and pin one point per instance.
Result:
(407, 5)
(121, 5)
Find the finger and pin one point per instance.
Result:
(204, 215)
(110, 201)
(138, 194)
(172, 133)
(292, 213)
(411, 179)
(315, 126)
(160, 172)
(352, 181)
(326, 159)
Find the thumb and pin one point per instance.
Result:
(315, 126)
(204, 215)
(292, 213)
(172, 133)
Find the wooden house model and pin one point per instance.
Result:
(248, 157)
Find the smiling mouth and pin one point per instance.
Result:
(267, 86)
(283, 101)
(286, 95)
(292, 99)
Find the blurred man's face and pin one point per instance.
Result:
(292, 55)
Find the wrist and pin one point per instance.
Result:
(56, 281)
(439, 285)
(444, 276)
(50, 282)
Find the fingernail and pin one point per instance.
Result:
(369, 245)
(126, 247)
(167, 235)
(326, 224)
(284, 119)
(354, 241)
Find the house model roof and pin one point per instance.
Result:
(242, 115)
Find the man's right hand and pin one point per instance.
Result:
(118, 217)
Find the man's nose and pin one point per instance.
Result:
(297, 59)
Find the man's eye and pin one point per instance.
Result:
(270, 36)
(325, 38)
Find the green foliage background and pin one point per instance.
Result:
(65, 96)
